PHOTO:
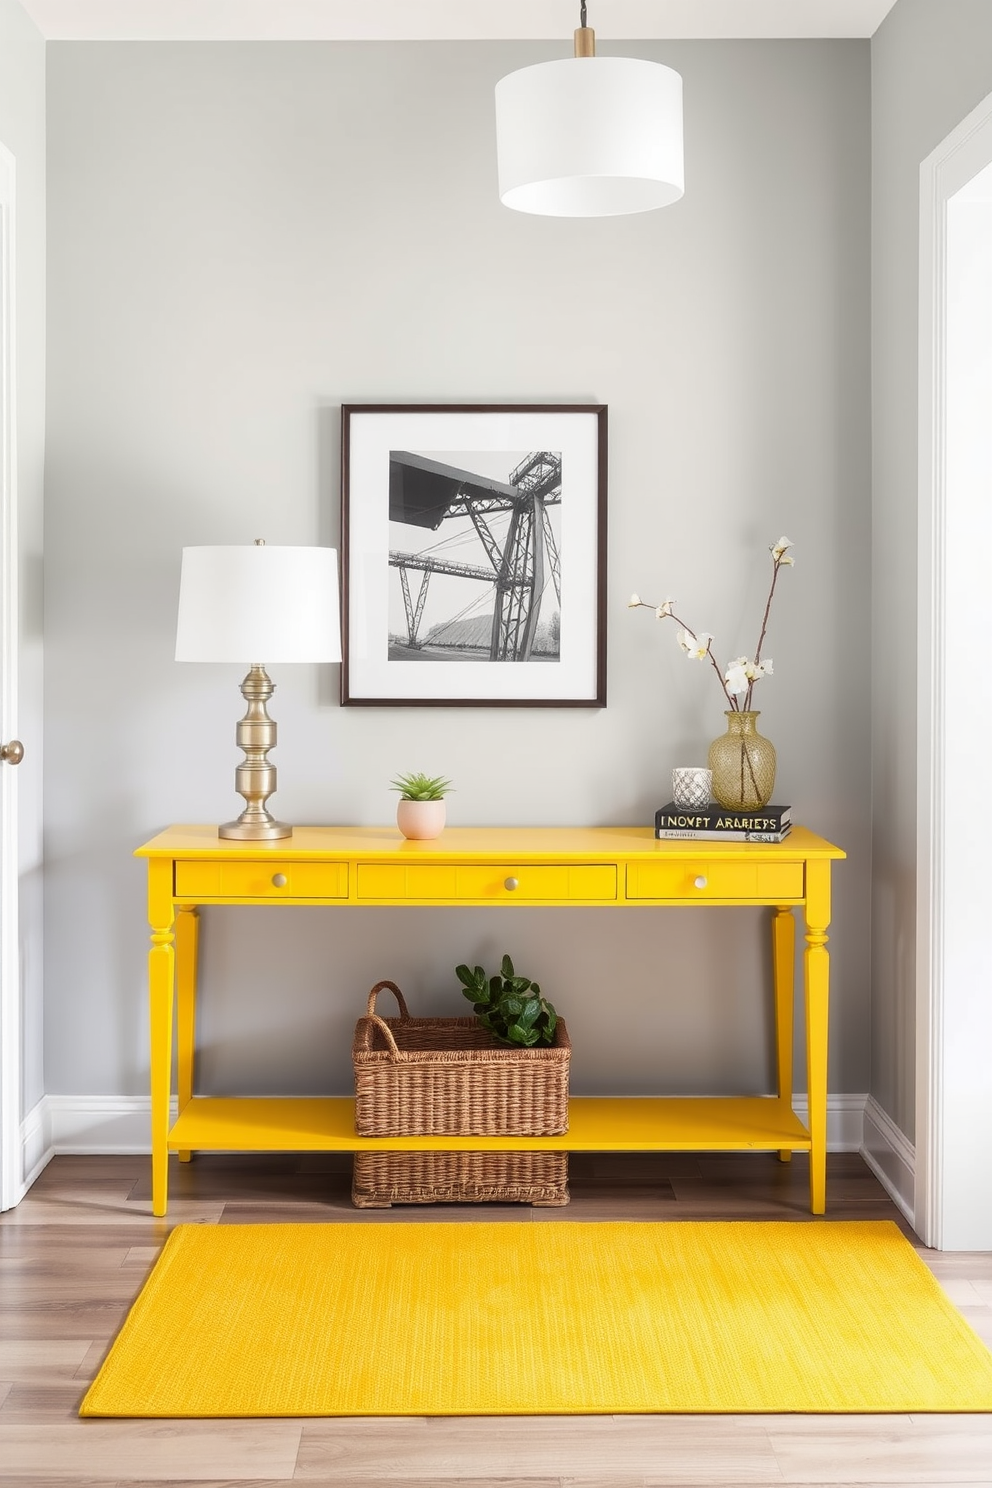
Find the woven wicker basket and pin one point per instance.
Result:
(384, 1178)
(450, 1077)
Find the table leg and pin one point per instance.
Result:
(783, 967)
(816, 968)
(187, 940)
(161, 986)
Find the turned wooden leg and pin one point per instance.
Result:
(816, 968)
(161, 987)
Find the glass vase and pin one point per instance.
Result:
(743, 764)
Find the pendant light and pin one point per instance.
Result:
(589, 136)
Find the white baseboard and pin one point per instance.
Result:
(120, 1124)
(93, 1124)
(36, 1148)
(891, 1156)
(845, 1120)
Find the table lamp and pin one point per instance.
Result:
(241, 603)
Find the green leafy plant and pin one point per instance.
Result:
(417, 787)
(510, 1006)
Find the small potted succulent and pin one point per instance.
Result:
(420, 812)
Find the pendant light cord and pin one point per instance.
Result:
(585, 40)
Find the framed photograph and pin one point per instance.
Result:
(474, 555)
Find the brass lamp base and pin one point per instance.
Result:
(255, 779)
(246, 829)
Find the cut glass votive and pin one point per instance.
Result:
(692, 785)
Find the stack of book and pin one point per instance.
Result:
(717, 824)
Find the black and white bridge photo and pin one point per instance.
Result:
(475, 556)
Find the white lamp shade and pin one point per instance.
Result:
(590, 137)
(258, 605)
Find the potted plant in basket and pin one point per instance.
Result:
(420, 812)
(510, 1006)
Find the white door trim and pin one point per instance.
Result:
(941, 1031)
(11, 1164)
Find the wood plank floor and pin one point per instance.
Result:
(76, 1251)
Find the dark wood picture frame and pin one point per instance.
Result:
(523, 489)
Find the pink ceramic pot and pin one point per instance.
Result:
(420, 819)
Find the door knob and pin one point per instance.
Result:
(279, 880)
(12, 753)
(700, 882)
(511, 883)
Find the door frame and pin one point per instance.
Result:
(11, 1150)
(949, 1020)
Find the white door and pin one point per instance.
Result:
(954, 1006)
(11, 1163)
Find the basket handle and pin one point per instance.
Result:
(381, 1023)
(404, 1011)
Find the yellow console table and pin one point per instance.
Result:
(598, 867)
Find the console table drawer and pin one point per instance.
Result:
(270, 880)
(453, 883)
(699, 879)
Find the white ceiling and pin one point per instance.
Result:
(456, 20)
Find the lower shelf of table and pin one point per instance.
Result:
(596, 1124)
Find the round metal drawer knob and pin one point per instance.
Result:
(511, 883)
(279, 880)
(700, 882)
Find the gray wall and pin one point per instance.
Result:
(931, 65)
(22, 130)
(244, 236)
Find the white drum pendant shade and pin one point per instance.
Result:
(590, 137)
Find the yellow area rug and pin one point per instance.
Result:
(540, 1318)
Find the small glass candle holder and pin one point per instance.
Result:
(692, 786)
